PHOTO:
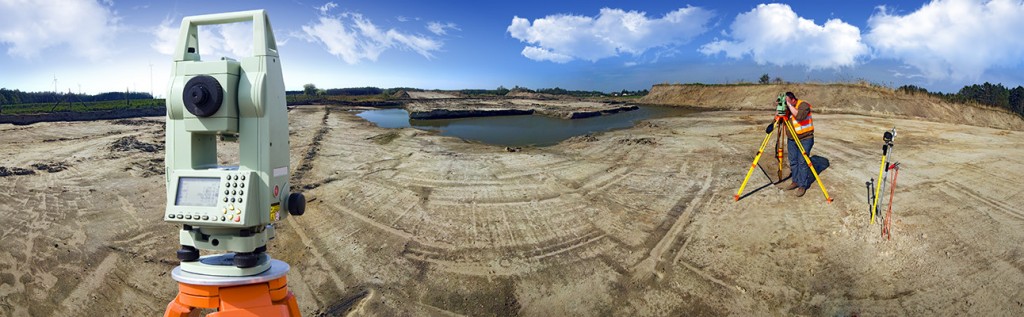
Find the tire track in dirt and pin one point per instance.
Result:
(130, 210)
(314, 248)
(510, 260)
(298, 178)
(968, 194)
(702, 201)
(683, 214)
(995, 270)
(501, 247)
(79, 298)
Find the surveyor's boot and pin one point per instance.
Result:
(791, 186)
(800, 191)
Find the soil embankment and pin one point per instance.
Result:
(22, 119)
(837, 99)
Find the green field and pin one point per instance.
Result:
(48, 107)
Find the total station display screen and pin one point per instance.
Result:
(197, 191)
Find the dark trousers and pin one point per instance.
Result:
(801, 173)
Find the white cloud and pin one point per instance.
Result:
(165, 37)
(354, 38)
(215, 41)
(543, 54)
(562, 38)
(774, 34)
(29, 27)
(439, 28)
(327, 7)
(951, 39)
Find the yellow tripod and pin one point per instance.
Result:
(760, 150)
(764, 143)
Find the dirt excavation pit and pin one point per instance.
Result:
(632, 222)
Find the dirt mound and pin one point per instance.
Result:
(8, 171)
(137, 122)
(431, 95)
(384, 138)
(530, 95)
(51, 167)
(581, 139)
(835, 98)
(147, 168)
(130, 143)
(639, 141)
(401, 94)
(647, 124)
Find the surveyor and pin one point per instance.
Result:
(800, 115)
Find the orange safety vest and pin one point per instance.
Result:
(805, 126)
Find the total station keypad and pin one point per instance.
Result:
(230, 208)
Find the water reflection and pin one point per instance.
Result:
(527, 130)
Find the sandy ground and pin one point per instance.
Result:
(403, 222)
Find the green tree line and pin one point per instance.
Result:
(990, 94)
(10, 97)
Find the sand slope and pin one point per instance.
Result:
(835, 98)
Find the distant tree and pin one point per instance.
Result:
(764, 79)
(777, 81)
(309, 89)
(911, 89)
(987, 94)
(1017, 100)
(523, 89)
(501, 90)
(358, 91)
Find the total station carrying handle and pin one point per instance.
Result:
(264, 43)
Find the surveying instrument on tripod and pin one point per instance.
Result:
(229, 208)
(877, 188)
(780, 124)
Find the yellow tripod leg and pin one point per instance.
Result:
(760, 150)
(778, 148)
(796, 139)
(878, 186)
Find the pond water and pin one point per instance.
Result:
(526, 130)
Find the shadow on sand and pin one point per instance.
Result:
(820, 164)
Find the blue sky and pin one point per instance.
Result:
(102, 45)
